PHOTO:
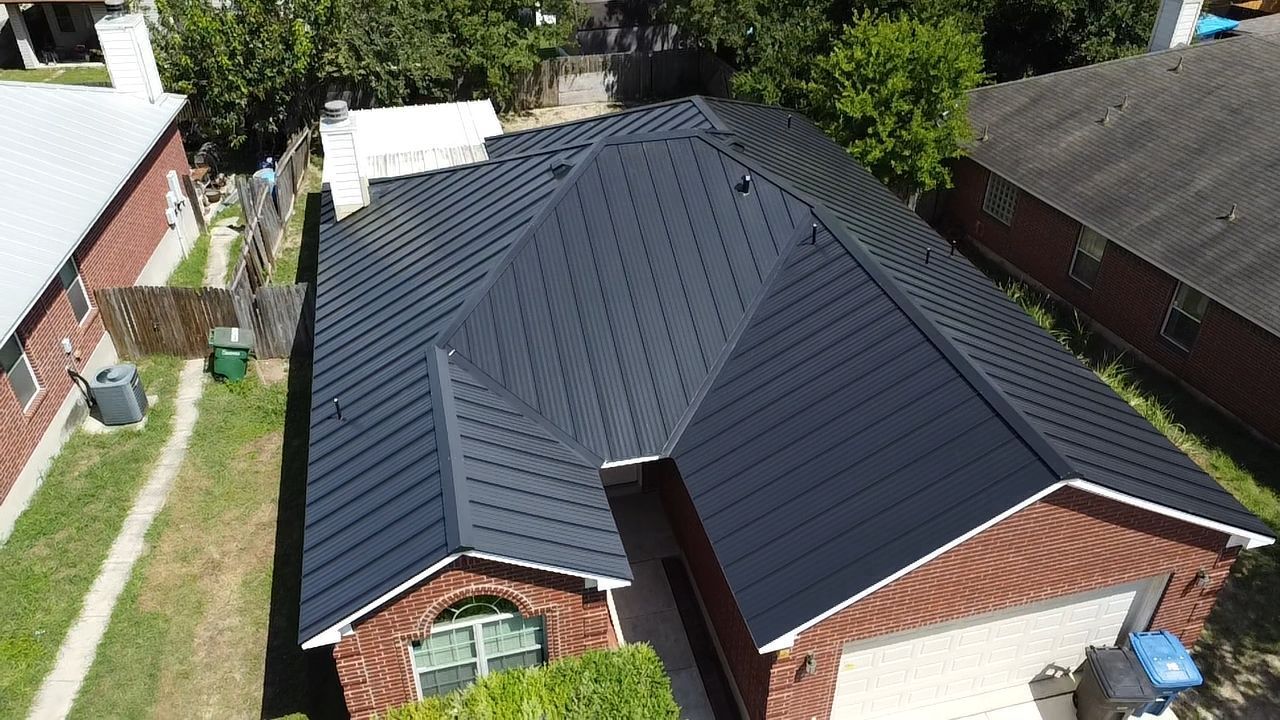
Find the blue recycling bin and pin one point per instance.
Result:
(1168, 666)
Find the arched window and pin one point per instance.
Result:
(474, 637)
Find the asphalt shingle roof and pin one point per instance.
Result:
(1161, 175)
(496, 332)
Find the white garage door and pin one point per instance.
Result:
(904, 672)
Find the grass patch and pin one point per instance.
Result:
(286, 270)
(190, 631)
(190, 272)
(95, 76)
(1239, 651)
(51, 559)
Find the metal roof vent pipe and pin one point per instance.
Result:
(347, 183)
(126, 48)
(744, 185)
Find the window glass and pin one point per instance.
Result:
(475, 637)
(1186, 311)
(1000, 199)
(76, 293)
(1087, 259)
(17, 370)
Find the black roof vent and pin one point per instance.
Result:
(561, 166)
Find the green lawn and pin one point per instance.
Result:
(1239, 652)
(306, 206)
(61, 76)
(190, 272)
(189, 635)
(58, 544)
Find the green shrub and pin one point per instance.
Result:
(628, 683)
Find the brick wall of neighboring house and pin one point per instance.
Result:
(374, 662)
(1232, 362)
(112, 254)
(1096, 543)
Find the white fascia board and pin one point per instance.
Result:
(632, 461)
(1245, 538)
(1239, 536)
(789, 639)
(332, 635)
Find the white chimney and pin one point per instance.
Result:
(350, 190)
(1175, 24)
(126, 46)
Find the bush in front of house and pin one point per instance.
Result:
(627, 683)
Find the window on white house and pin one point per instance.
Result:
(62, 14)
(1088, 256)
(76, 293)
(473, 638)
(1185, 315)
(17, 369)
(1000, 199)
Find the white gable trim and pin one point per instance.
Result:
(343, 627)
(1239, 536)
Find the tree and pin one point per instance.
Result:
(893, 91)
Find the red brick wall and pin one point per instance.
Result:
(374, 664)
(1070, 542)
(1232, 361)
(114, 253)
(750, 669)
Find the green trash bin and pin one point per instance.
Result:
(230, 347)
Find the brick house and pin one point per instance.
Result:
(859, 443)
(80, 214)
(1139, 192)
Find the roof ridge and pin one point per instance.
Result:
(985, 387)
(453, 488)
(520, 406)
(731, 344)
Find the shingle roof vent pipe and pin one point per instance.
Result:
(1231, 216)
(1178, 68)
(1106, 116)
(115, 8)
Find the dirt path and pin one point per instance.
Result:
(221, 237)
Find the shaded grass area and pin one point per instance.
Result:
(190, 629)
(95, 76)
(190, 272)
(1239, 651)
(305, 220)
(51, 559)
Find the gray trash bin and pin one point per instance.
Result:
(1112, 686)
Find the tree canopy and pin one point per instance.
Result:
(893, 92)
(253, 65)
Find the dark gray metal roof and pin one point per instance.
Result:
(1161, 175)
(495, 332)
(682, 114)
(1100, 436)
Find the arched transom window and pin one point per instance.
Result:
(475, 637)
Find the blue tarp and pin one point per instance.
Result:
(1210, 25)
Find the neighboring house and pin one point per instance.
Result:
(398, 141)
(52, 32)
(1142, 192)
(874, 461)
(90, 197)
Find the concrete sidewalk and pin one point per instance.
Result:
(58, 692)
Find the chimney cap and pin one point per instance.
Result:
(335, 110)
(115, 8)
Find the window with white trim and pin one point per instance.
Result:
(17, 370)
(1087, 259)
(1186, 312)
(76, 292)
(473, 638)
(1001, 198)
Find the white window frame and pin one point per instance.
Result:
(25, 360)
(1080, 250)
(84, 291)
(990, 206)
(1173, 307)
(481, 660)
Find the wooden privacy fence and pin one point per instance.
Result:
(266, 211)
(623, 77)
(176, 321)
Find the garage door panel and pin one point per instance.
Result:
(879, 678)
